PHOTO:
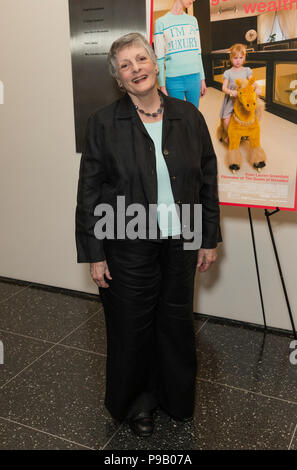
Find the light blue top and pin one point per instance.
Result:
(177, 46)
(168, 220)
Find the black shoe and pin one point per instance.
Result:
(142, 424)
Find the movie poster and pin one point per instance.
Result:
(275, 184)
(262, 27)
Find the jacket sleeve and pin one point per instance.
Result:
(159, 45)
(91, 179)
(211, 232)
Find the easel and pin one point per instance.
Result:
(267, 215)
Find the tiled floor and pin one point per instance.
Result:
(52, 382)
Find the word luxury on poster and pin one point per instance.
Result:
(263, 7)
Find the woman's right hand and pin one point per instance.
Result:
(163, 89)
(98, 271)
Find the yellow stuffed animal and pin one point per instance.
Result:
(244, 123)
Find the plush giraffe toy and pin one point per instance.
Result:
(244, 123)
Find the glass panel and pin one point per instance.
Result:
(285, 84)
(259, 72)
(218, 68)
(276, 32)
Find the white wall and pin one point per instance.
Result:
(39, 171)
(39, 166)
(230, 288)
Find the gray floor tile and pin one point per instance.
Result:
(245, 358)
(44, 315)
(8, 289)
(232, 419)
(16, 437)
(91, 336)
(225, 418)
(62, 394)
(293, 445)
(199, 323)
(19, 352)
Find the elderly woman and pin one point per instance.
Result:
(154, 151)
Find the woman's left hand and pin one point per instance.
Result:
(205, 258)
(203, 88)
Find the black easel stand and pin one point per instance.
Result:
(257, 267)
(267, 215)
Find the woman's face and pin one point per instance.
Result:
(136, 70)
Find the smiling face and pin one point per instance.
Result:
(136, 71)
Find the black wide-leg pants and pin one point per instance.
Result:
(151, 355)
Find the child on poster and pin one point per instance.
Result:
(237, 58)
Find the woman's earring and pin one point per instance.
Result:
(157, 72)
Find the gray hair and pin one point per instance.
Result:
(126, 41)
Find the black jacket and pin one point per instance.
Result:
(119, 159)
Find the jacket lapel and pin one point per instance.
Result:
(126, 110)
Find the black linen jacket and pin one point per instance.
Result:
(118, 158)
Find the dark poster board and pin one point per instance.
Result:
(94, 25)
